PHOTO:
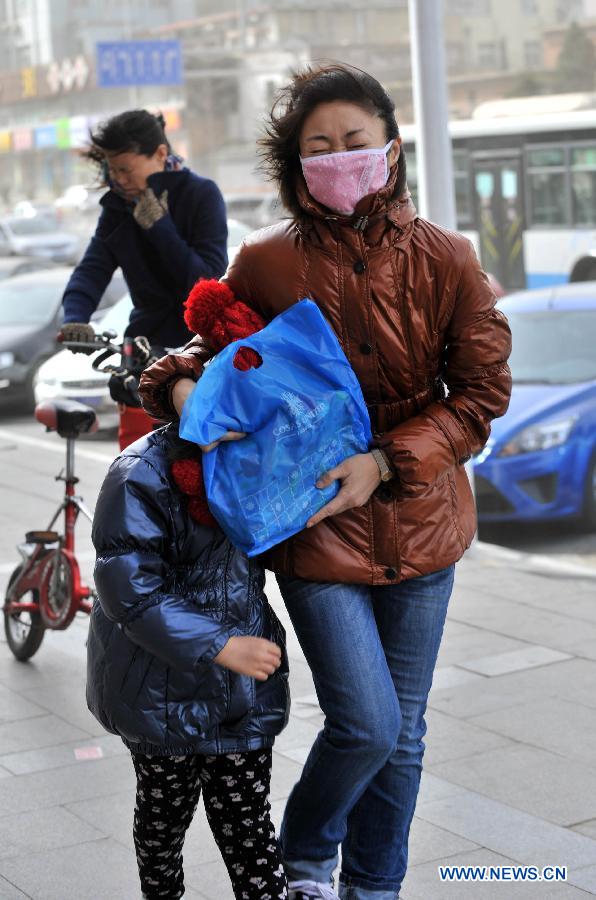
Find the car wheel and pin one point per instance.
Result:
(589, 513)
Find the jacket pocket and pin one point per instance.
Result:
(454, 510)
(135, 675)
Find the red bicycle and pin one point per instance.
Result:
(45, 590)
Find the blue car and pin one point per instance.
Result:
(540, 461)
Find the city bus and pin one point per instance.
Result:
(525, 186)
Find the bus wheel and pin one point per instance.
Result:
(584, 270)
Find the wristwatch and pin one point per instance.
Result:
(385, 469)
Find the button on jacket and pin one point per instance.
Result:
(416, 317)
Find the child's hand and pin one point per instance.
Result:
(252, 656)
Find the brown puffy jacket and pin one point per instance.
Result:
(414, 312)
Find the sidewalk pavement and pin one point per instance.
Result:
(510, 765)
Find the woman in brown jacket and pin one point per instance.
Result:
(367, 583)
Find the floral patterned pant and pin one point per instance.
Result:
(236, 797)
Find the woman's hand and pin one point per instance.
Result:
(359, 476)
(253, 656)
(228, 436)
(180, 394)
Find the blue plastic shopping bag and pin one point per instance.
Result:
(303, 412)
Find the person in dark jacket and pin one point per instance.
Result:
(164, 226)
(186, 661)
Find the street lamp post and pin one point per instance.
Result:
(436, 197)
(434, 164)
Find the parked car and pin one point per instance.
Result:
(79, 198)
(20, 265)
(37, 236)
(30, 317)
(540, 461)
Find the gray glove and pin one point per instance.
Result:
(79, 332)
(150, 209)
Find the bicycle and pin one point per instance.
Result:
(45, 591)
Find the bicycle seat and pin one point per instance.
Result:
(68, 417)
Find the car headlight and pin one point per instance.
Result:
(540, 437)
(6, 359)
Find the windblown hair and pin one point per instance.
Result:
(279, 147)
(133, 131)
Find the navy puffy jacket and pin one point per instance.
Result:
(160, 264)
(171, 593)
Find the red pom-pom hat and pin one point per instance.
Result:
(213, 311)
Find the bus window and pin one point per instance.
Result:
(546, 186)
(583, 185)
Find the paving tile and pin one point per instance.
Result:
(95, 778)
(41, 731)
(298, 754)
(67, 700)
(525, 623)
(105, 871)
(9, 892)
(588, 828)
(285, 774)
(427, 842)
(514, 660)
(211, 880)
(503, 829)
(306, 707)
(560, 726)
(474, 642)
(446, 677)
(585, 879)
(449, 738)
(434, 788)
(43, 829)
(63, 755)
(14, 706)
(112, 814)
(526, 778)
(486, 695)
(49, 666)
(299, 733)
(572, 679)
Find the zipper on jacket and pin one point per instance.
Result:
(360, 223)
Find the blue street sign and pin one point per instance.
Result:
(128, 63)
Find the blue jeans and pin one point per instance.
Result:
(372, 652)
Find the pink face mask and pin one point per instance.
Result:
(340, 180)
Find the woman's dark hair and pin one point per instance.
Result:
(280, 151)
(134, 131)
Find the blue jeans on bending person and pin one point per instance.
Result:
(372, 652)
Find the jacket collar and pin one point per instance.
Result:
(370, 210)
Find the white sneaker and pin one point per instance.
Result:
(305, 890)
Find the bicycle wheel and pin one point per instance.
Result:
(56, 601)
(24, 630)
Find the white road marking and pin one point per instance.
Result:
(11, 436)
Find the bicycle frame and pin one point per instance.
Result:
(33, 576)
